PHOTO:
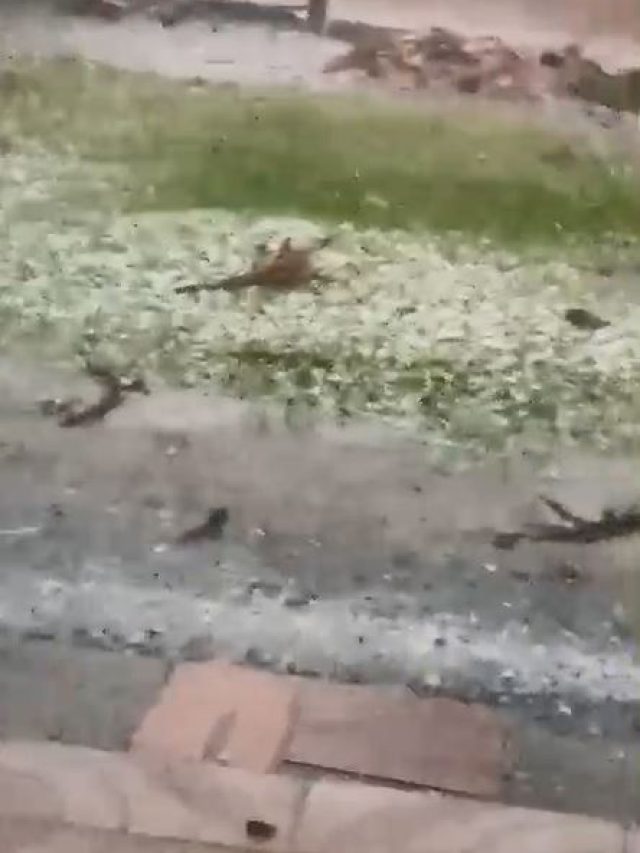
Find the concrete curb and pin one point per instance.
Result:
(61, 798)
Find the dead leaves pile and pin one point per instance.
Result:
(485, 65)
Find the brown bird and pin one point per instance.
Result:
(286, 269)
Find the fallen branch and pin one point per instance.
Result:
(71, 412)
(612, 524)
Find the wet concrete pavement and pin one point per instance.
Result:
(346, 555)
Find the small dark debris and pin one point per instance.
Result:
(299, 599)
(506, 541)
(293, 669)
(98, 639)
(149, 644)
(55, 734)
(70, 416)
(406, 310)
(520, 575)
(211, 529)
(169, 19)
(552, 59)
(271, 589)
(585, 320)
(568, 572)
(440, 642)
(42, 634)
(56, 511)
(350, 675)
(256, 657)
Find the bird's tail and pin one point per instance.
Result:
(234, 282)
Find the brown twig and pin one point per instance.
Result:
(72, 413)
(612, 524)
(561, 511)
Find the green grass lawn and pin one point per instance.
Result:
(460, 339)
(372, 163)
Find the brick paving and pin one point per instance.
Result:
(231, 714)
(396, 737)
(258, 721)
(210, 768)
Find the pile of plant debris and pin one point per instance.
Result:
(485, 65)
